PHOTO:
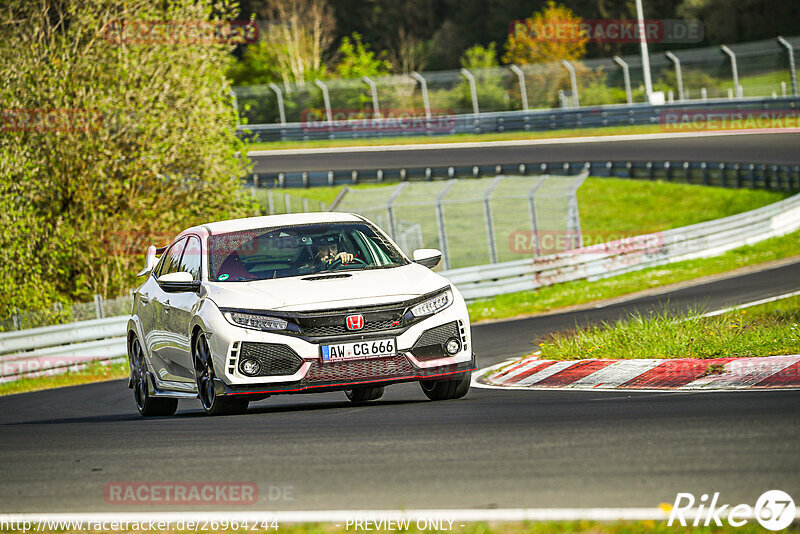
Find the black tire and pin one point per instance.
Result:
(147, 405)
(453, 388)
(212, 403)
(365, 394)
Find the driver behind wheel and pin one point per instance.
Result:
(327, 252)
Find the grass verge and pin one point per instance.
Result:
(479, 138)
(765, 330)
(584, 292)
(94, 372)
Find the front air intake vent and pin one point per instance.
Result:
(430, 344)
(273, 359)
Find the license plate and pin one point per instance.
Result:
(359, 350)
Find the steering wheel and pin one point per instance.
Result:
(337, 263)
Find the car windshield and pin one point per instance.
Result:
(266, 253)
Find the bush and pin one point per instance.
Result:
(142, 145)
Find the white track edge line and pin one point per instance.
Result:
(751, 303)
(514, 142)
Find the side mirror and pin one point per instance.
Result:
(178, 282)
(149, 261)
(429, 257)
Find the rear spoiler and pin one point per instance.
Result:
(150, 258)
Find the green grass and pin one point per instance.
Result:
(94, 372)
(765, 330)
(583, 292)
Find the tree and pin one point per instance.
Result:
(109, 144)
(300, 33)
(551, 34)
(357, 60)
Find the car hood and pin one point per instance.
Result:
(362, 288)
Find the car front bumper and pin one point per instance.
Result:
(410, 362)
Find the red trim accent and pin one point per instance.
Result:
(409, 377)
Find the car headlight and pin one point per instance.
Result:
(433, 305)
(256, 322)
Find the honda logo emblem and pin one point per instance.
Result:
(355, 322)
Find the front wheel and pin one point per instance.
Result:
(147, 405)
(361, 395)
(453, 388)
(206, 388)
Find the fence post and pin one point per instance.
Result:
(736, 88)
(440, 223)
(270, 202)
(287, 202)
(790, 50)
(532, 213)
(374, 90)
(523, 91)
(574, 218)
(487, 213)
(327, 99)
(627, 76)
(678, 75)
(305, 204)
(98, 306)
(279, 94)
(15, 318)
(390, 208)
(472, 90)
(573, 80)
(424, 87)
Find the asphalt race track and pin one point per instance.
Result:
(492, 449)
(779, 148)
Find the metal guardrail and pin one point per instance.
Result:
(618, 257)
(511, 121)
(721, 174)
(54, 348)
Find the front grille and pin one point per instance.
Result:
(430, 344)
(359, 370)
(339, 330)
(275, 359)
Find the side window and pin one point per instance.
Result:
(172, 258)
(190, 262)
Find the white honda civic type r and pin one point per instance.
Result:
(236, 311)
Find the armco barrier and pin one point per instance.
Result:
(511, 121)
(29, 352)
(52, 348)
(720, 174)
(617, 257)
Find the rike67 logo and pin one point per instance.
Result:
(774, 510)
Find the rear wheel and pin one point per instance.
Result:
(360, 395)
(212, 403)
(147, 405)
(453, 388)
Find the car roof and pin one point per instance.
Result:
(269, 221)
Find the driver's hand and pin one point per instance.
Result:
(346, 257)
